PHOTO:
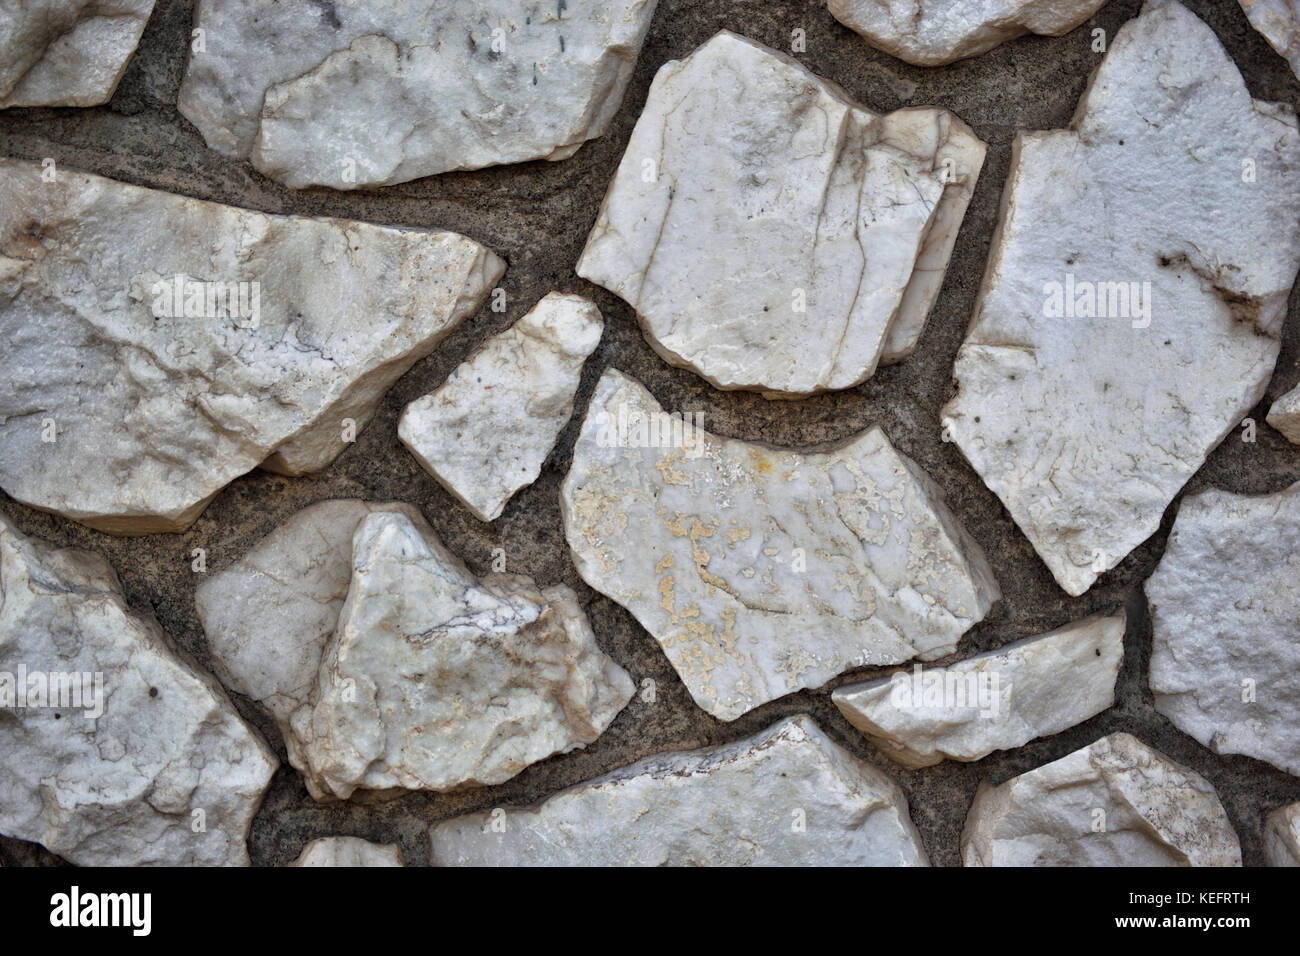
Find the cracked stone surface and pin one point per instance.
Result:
(67, 52)
(761, 570)
(348, 851)
(487, 431)
(1279, 21)
(1225, 662)
(153, 409)
(1085, 456)
(1116, 802)
(1001, 699)
(406, 671)
(771, 233)
(356, 95)
(1282, 836)
(1285, 415)
(147, 752)
(787, 796)
(935, 32)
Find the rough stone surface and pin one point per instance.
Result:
(348, 851)
(424, 677)
(1282, 836)
(121, 779)
(771, 233)
(152, 414)
(992, 701)
(1279, 21)
(1284, 415)
(935, 32)
(1086, 456)
(762, 570)
(1116, 802)
(355, 95)
(1225, 662)
(67, 52)
(486, 432)
(788, 796)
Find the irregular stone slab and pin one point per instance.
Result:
(771, 233)
(760, 570)
(1282, 836)
(67, 52)
(348, 851)
(993, 701)
(788, 796)
(935, 32)
(354, 95)
(1115, 802)
(486, 432)
(1130, 235)
(1285, 415)
(116, 752)
(127, 407)
(1279, 21)
(1225, 662)
(389, 666)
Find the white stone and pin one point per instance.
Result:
(128, 418)
(788, 796)
(935, 32)
(486, 432)
(771, 233)
(1115, 802)
(1282, 836)
(1279, 21)
(1285, 415)
(993, 701)
(389, 666)
(350, 95)
(1087, 427)
(135, 757)
(67, 52)
(348, 851)
(760, 570)
(1225, 599)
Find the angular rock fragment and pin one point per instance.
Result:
(1115, 802)
(389, 666)
(1279, 21)
(486, 432)
(760, 570)
(1225, 598)
(1285, 415)
(788, 796)
(116, 753)
(146, 365)
(348, 851)
(1131, 237)
(935, 32)
(994, 701)
(67, 52)
(771, 233)
(355, 95)
(1282, 836)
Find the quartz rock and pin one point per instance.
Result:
(389, 666)
(127, 406)
(771, 233)
(67, 52)
(1279, 21)
(788, 796)
(1225, 598)
(935, 32)
(993, 701)
(1285, 415)
(354, 95)
(115, 750)
(1115, 802)
(760, 570)
(348, 851)
(486, 432)
(1282, 836)
(1132, 236)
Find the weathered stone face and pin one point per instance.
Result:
(1284, 415)
(1279, 21)
(1282, 836)
(348, 851)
